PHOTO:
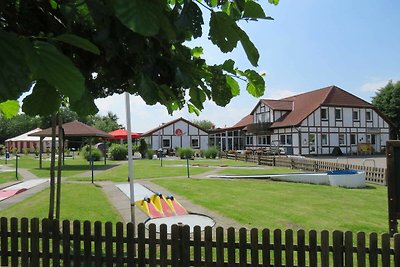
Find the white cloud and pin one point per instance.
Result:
(373, 86)
(279, 93)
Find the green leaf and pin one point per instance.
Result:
(58, 70)
(256, 84)
(79, 42)
(233, 84)
(85, 105)
(275, 2)
(253, 10)
(249, 48)
(197, 51)
(223, 31)
(214, 3)
(193, 109)
(229, 66)
(43, 100)
(191, 19)
(9, 108)
(14, 72)
(221, 92)
(141, 16)
(197, 97)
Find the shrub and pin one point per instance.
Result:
(118, 152)
(96, 153)
(211, 153)
(185, 152)
(149, 153)
(143, 148)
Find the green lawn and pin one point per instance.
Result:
(71, 167)
(78, 202)
(270, 204)
(146, 169)
(7, 177)
(249, 171)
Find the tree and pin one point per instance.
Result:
(204, 124)
(387, 100)
(17, 125)
(74, 51)
(106, 123)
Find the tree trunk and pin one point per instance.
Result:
(52, 163)
(59, 167)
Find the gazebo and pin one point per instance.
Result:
(73, 129)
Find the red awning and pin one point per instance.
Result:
(122, 134)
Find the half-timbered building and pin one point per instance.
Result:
(324, 121)
(176, 133)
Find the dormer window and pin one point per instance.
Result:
(324, 114)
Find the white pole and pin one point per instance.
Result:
(130, 161)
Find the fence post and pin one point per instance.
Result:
(273, 161)
(245, 157)
(292, 165)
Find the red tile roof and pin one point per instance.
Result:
(278, 104)
(248, 119)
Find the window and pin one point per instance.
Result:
(353, 139)
(286, 139)
(371, 139)
(324, 139)
(324, 113)
(356, 115)
(338, 114)
(195, 142)
(249, 140)
(368, 115)
(166, 142)
(268, 139)
(342, 140)
(262, 140)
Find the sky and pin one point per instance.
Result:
(310, 44)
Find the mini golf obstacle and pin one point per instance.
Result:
(341, 178)
(164, 209)
(19, 188)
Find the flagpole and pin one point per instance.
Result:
(130, 160)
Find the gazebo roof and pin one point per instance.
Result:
(75, 128)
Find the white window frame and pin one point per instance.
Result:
(324, 118)
(370, 115)
(358, 115)
(169, 143)
(324, 139)
(340, 113)
(198, 142)
(342, 137)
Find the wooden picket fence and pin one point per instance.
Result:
(33, 242)
(376, 175)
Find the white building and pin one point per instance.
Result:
(316, 122)
(176, 133)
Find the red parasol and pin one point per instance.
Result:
(122, 134)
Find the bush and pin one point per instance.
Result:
(118, 152)
(149, 153)
(96, 153)
(185, 152)
(211, 153)
(143, 148)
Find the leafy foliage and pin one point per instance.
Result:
(211, 153)
(185, 152)
(204, 124)
(95, 153)
(387, 100)
(73, 52)
(118, 152)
